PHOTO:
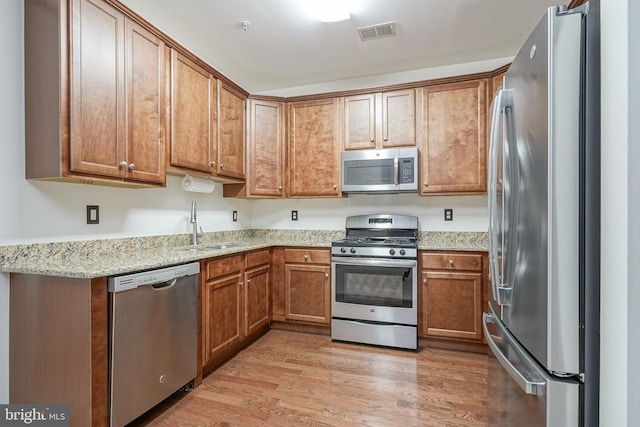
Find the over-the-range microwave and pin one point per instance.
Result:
(391, 170)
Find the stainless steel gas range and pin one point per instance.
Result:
(374, 291)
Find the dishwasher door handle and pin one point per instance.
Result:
(162, 286)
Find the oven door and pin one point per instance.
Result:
(377, 290)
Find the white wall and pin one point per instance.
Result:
(11, 152)
(633, 196)
(54, 211)
(469, 212)
(620, 296)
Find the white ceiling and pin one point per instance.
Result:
(285, 48)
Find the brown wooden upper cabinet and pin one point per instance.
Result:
(266, 148)
(231, 134)
(380, 120)
(194, 116)
(207, 122)
(105, 123)
(314, 147)
(452, 138)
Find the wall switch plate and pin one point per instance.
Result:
(448, 214)
(294, 215)
(93, 214)
(235, 216)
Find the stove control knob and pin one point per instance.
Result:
(392, 251)
(353, 250)
(403, 252)
(343, 250)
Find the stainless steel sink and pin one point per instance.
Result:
(210, 247)
(222, 246)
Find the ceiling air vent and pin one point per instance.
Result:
(378, 31)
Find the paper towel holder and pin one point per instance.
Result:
(198, 185)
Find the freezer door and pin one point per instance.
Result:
(542, 266)
(520, 392)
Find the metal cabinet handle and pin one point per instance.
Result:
(451, 262)
(426, 184)
(279, 187)
(132, 166)
(306, 257)
(221, 165)
(249, 281)
(424, 281)
(241, 283)
(123, 164)
(212, 164)
(373, 141)
(335, 186)
(326, 275)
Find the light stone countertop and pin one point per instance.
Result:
(101, 258)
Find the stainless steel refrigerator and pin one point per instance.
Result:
(544, 226)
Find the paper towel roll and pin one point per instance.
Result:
(198, 185)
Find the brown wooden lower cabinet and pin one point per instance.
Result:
(452, 292)
(235, 304)
(58, 345)
(302, 286)
(307, 293)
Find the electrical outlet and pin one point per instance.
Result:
(93, 214)
(448, 214)
(235, 216)
(294, 215)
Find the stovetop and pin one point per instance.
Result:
(378, 236)
(389, 242)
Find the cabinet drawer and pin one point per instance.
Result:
(308, 256)
(223, 267)
(255, 259)
(451, 261)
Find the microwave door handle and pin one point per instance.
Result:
(396, 171)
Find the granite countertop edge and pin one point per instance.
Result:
(108, 257)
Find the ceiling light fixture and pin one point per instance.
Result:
(329, 10)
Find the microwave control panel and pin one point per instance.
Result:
(406, 170)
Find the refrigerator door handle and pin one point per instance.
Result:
(502, 105)
(528, 385)
(496, 122)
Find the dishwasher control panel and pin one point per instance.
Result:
(151, 277)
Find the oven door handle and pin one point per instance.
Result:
(375, 262)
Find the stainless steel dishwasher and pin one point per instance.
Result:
(153, 338)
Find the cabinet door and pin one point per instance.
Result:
(314, 148)
(194, 131)
(256, 294)
(231, 161)
(266, 148)
(97, 113)
(453, 141)
(452, 304)
(359, 122)
(145, 104)
(223, 315)
(307, 293)
(398, 118)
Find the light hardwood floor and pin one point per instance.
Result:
(298, 379)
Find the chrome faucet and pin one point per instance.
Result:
(194, 222)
